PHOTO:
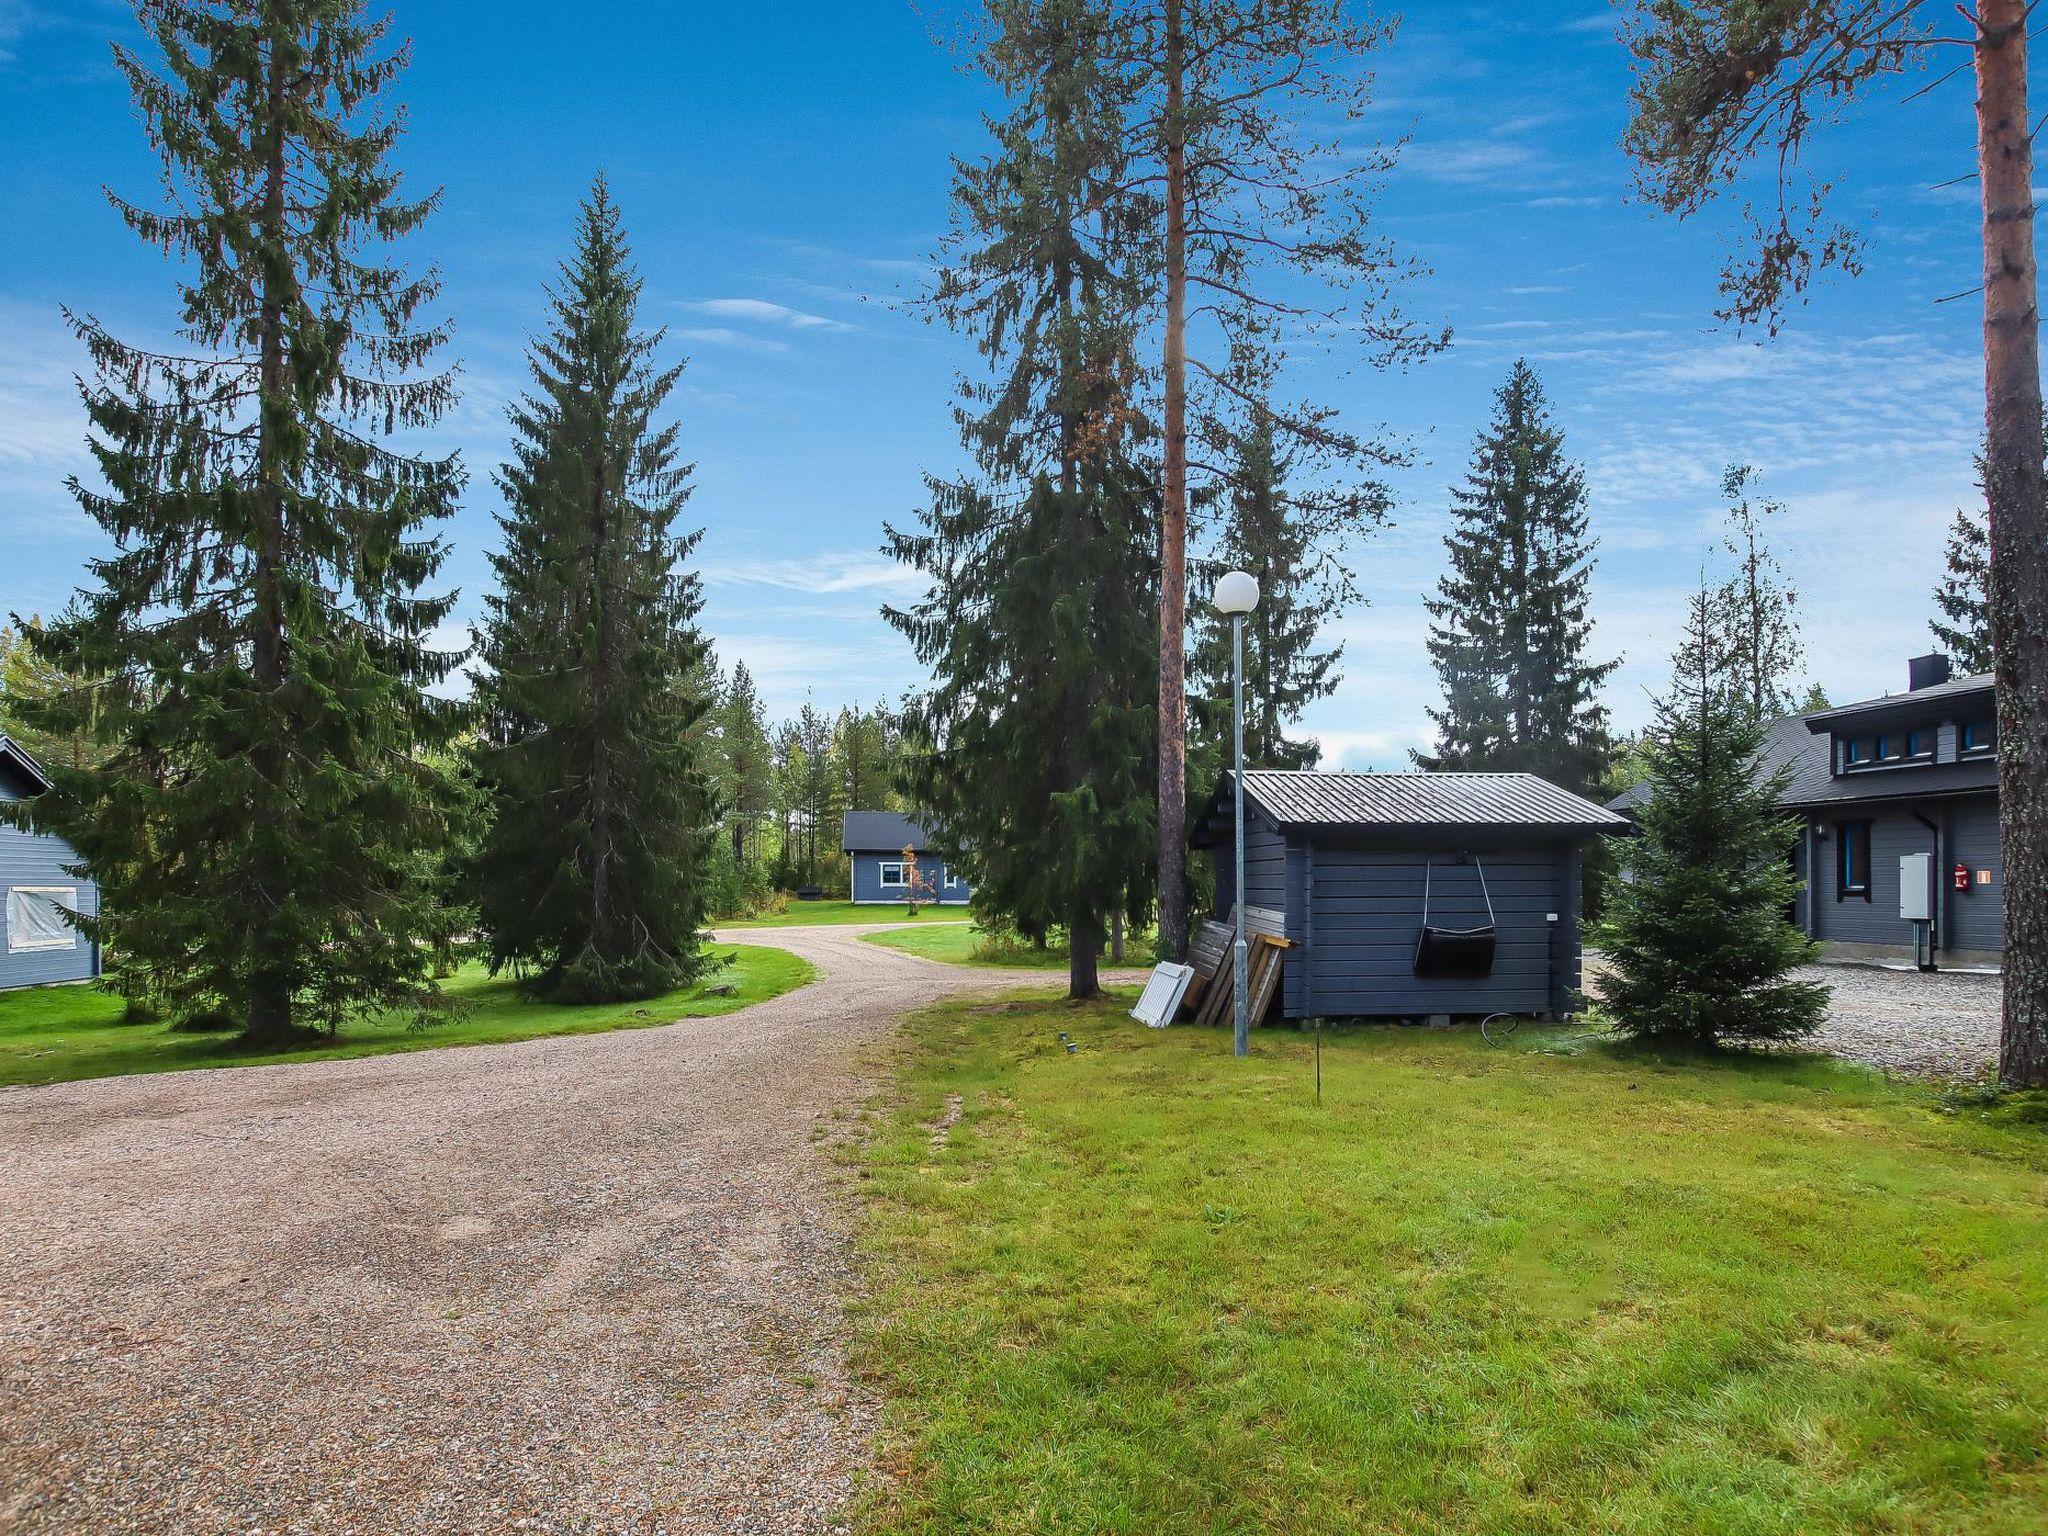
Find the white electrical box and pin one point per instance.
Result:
(1916, 884)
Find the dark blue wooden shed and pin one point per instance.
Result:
(1407, 894)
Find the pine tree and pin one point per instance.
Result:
(1756, 607)
(1511, 630)
(1040, 626)
(1695, 935)
(591, 877)
(1964, 596)
(1284, 668)
(864, 757)
(256, 653)
(746, 763)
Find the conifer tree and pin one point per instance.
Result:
(1040, 627)
(1964, 596)
(1511, 628)
(256, 651)
(1756, 607)
(746, 762)
(1300, 590)
(1697, 945)
(591, 878)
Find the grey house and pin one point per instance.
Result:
(1877, 783)
(41, 945)
(874, 843)
(1413, 893)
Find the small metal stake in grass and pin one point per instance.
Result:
(1319, 1065)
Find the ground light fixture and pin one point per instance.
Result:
(1237, 594)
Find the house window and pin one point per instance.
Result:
(1852, 871)
(1920, 743)
(35, 917)
(894, 876)
(1857, 751)
(953, 881)
(1891, 746)
(1979, 735)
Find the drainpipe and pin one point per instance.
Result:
(1937, 906)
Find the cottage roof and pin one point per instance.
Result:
(16, 756)
(880, 832)
(1311, 799)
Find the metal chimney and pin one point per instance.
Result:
(1927, 672)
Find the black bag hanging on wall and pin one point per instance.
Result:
(1445, 954)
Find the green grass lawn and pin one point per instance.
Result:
(808, 913)
(1547, 1288)
(60, 1034)
(965, 944)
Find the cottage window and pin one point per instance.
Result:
(35, 917)
(1856, 751)
(1920, 743)
(1979, 735)
(1852, 871)
(952, 880)
(893, 877)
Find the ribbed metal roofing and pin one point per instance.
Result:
(1307, 798)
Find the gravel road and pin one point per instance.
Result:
(591, 1284)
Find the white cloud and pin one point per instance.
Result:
(725, 336)
(839, 571)
(762, 312)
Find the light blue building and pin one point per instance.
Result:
(874, 843)
(41, 945)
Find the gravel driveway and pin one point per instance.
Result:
(577, 1285)
(1939, 1025)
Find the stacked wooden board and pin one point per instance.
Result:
(1209, 950)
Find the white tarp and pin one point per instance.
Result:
(35, 917)
(1163, 992)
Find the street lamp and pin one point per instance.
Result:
(1237, 594)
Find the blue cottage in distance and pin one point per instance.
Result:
(41, 945)
(873, 842)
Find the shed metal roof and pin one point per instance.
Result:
(879, 832)
(1307, 798)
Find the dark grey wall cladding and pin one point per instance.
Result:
(1852, 920)
(1363, 913)
(1976, 917)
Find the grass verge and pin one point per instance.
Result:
(62, 1034)
(1547, 1288)
(807, 914)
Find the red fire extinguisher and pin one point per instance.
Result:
(1962, 877)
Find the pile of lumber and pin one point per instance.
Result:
(1209, 947)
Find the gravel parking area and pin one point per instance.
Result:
(592, 1284)
(1939, 1025)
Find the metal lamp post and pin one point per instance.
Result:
(1237, 594)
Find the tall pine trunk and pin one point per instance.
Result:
(1173, 515)
(2019, 527)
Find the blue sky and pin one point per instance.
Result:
(784, 173)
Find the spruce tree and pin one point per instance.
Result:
(1040, 628)
(1697, 946)
(1511, 630)
(1964, 596)
(1285, 669)
(255, 654)
(591, 878)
